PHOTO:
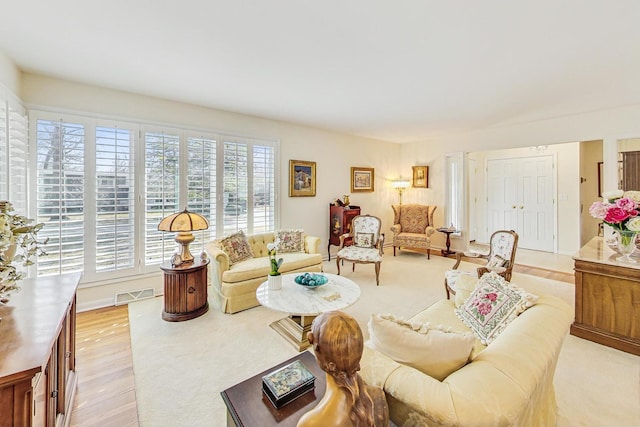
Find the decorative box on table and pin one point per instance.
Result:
(287, 383)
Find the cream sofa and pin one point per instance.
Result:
(234, 287)
(508, 383)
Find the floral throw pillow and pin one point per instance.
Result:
(290, 241)
(492, 306)
(363, 240)
(236, 247)
(496, 261)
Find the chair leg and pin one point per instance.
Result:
(377, 274)
(394, 250)
(446, 288)
(353, 266)
(338, 264)
(428, 253)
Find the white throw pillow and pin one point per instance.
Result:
(436, 351)
(493, 305)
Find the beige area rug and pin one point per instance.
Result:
(181, 368)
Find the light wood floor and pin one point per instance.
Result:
(106, 391)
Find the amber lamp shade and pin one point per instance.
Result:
(184, 223)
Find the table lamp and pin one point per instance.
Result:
(184, 223)
(400, 185)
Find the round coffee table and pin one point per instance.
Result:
(304, 304)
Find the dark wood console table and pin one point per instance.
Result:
(185, 290)
(38, 352)
(607, 310)
(246, 406)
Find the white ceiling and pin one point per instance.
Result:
(397, 70)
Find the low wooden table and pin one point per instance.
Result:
(305, 304)
(247, 406)
(448, 232)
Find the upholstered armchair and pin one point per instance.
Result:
(367, 244)
(501, 258)
(412, 227)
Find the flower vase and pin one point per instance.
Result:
(275, 282)
(626, 244)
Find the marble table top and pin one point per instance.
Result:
(596, 250)
(338, 293)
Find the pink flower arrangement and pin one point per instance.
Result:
(619, 211)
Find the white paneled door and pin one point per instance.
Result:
(520, 197)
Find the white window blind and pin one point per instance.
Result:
(60, 195)
(263, 188)
(161, 193)
(4, 150)
(201, 186)
(18, 157)
(115, 199)
(236, 186)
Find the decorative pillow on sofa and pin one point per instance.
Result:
(363, 240)
(290, 241)
(433, 350)
(236, 247)
(493, 305)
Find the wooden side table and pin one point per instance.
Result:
(448, 232)
(185, 291)
(247, 406)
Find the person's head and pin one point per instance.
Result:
(337, 342)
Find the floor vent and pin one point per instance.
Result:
(127, 297)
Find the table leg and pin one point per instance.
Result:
(294, 329)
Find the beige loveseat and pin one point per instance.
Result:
(508, 383)
(234, 287)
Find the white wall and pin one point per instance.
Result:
(607, 125)
(9, 74)
(333, 152)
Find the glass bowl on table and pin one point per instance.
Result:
(311, 280)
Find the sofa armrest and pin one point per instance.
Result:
(396, 228)
(220, 257)
(311, 244)
(427, 396)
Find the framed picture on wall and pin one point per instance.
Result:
(302, 178)
(420, 176)
(362, 180)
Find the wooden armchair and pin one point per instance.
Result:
(501, 258)
(412, 227)
(367, 244)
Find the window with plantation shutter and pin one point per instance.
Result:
(201, 186)
(4, 150)
(235, 186)
(18, 157)
(115, 199)
(102, 187)
(161, 193)
(263, 188)
(60, 148)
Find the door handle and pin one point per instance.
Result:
(521, 207)
(513, 207)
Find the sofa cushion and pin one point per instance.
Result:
(493, 305)
(290, 241)
(259, 267)
(236, 247)
(434, 350)
(464, 286)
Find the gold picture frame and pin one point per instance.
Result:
(420, 176)
(362, 180)
(302, 178)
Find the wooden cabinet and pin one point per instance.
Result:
(37, 353)
(185, 291)
(606, 303)
(340, 218)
